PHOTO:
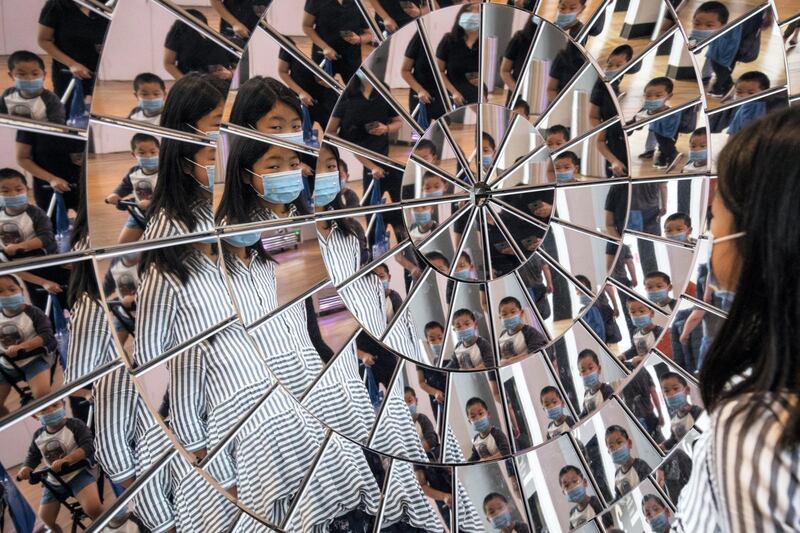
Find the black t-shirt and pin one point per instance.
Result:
(394, 10)
(53, 154)
(566, 64)
(459, 59)
(422, 68)
(77, 35)
(331, 17)
(248, 12)
(194, 52)
(303, 76)
(617, 203)
(615, 137)
(356, 111)
(517, 51)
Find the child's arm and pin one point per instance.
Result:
(85, 445)
(503, 447)
(54, 107)
(187, 401)
(534, 340)
(32, 459)
(50, 286)
(44, 333)
(430, 439)
(125, 188)
(629, 264)
(156, 309)
(43, 229)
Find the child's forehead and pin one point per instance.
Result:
(551, 395)
(476, 408)
(635, 305)
(655, 280)
(12, 181)
(614, 436)
(26, 64)
(670, 382)
(144, 145)
(748, 85)
(569, 476)
(585, 361)
(462, 319)
(435, 330)
(149, 85)
(509, 306)
(655, 88)
(706, 17)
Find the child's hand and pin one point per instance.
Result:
(58, 465)
(12, 351)
(144, 204)
(306, 170)
(11, 249)
(113, 199)
(128, 301)
(24, 473)
(60, 185)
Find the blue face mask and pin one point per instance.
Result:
(295, 137)
(611, 73)
(577, 494)
(326, 187)
(465, 335)
(385, 283)
(13, 302)
(641, 321)
(698, 155)
(432, 194)
(151, 104)
(412, 407)
(211, 171)
(512, 322)
(564, 176)
(680, 237)
(422, 217)
(585, 300)
(555, 413)
(482, 424)
(501, 520)
(676, 401)
(463, 275)
(621, 455)
(700, 35)
(658, 296)
(470, 21)
(242, 241)
(282, 187)
(590, 380)
(53, 418)
(29, 86)
(652, 105)
(436, 349)
(725, 299)
(18, 201)
(486, 160)
(148, 163)
(565, 19)
(659, 523)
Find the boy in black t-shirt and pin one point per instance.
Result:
(557, 413)
(498, 512)
(424, 426)
(28, 98)
(684, 414)
(61, 442)
(658, 286)
(25, 230)
(139, 181)
(489, 442)
(471, 350)
(517, 340)
(151, 91)
(573, 483)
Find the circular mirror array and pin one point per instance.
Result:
(365, 265)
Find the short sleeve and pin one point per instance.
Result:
(412, 50)
(512, 50)
(339, 109)
(502, 442)
(312, 7)
(172, 40)
(50, 14)
(283, 55)
(443, 50)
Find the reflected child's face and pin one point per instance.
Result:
(463, 322)
(747, 88)
(551, 400)
(587, 366)
(652, 509)
(146, 149)
(677, 227)
(433, 184)
(656, 284)
(212, 120)
(434, 336)
(614, 63)
(554, 140)
(463, 264)
(565, 164)
(476, 412)
(616, 441)
(8, 287)
(280, 119)
(637, 309)
(409, 399)
(671, 387)
(150, 90)
(657, 92)
(698, 142)
(570, 479)
(706, 21)
(13, 186)
(494, 508)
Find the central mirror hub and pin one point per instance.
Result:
(481, 193)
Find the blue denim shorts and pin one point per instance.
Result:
(76, 484)
(33, 368)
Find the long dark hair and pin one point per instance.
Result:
(190, 99)
(457, 33)
(760, 334)
(257, 96)
(82, 278)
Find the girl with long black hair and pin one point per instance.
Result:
(263, 183)
(745, 475)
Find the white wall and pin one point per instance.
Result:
(19, 25)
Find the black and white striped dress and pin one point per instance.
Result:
(91, 344)
(198, 505)
(741, 480)
(274, 450)
(284, 338)
(213, 383)
(161, 225)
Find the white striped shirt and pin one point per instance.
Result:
(162, 225)
(742, 481)
(284, 338)
(90, 342)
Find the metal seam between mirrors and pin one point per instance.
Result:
(565, 269)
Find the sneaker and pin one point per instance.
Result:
(647, 155)
(661, 162)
